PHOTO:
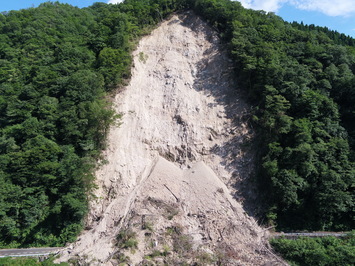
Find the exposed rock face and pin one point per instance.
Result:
(167, 187)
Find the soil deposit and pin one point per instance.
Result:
(166, 195)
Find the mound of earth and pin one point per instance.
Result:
(165, 194)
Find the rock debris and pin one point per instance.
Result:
(173, 159)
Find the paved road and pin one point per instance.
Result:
(23, 252)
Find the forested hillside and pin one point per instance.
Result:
(58, 63)
(302, 84)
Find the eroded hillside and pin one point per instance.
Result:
(165, 195)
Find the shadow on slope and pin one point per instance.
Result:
(215, 77)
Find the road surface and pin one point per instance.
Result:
(27, 252)
(313, 234)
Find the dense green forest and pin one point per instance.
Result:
(301, 82)
(59, 63)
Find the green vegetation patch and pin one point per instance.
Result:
(24, 261)
(317, 251)
(127, 239)
(143, 57)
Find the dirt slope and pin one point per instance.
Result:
(174, 159)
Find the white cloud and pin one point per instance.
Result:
(114, 1)
(328, 7)
(267, 5)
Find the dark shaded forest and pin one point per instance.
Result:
(59, 64)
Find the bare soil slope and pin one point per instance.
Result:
(172, 163)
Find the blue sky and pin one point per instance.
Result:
(337, 15)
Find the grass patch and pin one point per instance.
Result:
(27, 261)
(143, 57)
(148, 226)
(126, 239)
